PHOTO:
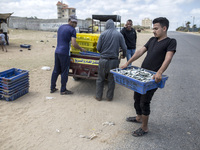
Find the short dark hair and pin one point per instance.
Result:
(129, 20)
(1, 30)
(163, 21)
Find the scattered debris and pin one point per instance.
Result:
(25, 46)
(20, 50)
(92, 136)
(53, 46)
(41, 41)
(57, 130)
(82, 136)
(108, 123)
(46, 68)
(29, 49)
(49, 98)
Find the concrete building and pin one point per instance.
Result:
(146, 22)
(63, 11)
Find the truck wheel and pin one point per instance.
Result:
(76, 78)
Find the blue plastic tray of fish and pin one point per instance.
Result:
(137, 79)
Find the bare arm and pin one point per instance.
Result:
(137, 55)
(168, 58)
(76, 44)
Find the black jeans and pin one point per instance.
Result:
(62, 63)
(142, 102)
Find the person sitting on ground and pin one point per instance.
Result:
(2, 41)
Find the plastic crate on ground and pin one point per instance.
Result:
(136, 85)
(15, 95)
(12, 74)
(14, 90)
(13, 84)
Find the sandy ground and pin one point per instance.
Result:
(34, 122)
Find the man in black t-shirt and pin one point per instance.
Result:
(160, 50)
(130, 37)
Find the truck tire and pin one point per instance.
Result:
(76, 78)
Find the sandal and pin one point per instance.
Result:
(139, 132)
(66, 92)
(53, 90)
(132, 119)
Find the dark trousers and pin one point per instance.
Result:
(142, 102)
(105, 65)
(6, 37)
(62, 63)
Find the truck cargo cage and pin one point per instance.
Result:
(104, 18)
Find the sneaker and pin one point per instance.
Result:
(108, 99)
(66, 92)
(53, 90)
(98, 99)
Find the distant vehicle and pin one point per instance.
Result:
(89, 29)
(95, 28)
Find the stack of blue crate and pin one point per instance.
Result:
(14, 83)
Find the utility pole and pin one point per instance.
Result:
(193, 17)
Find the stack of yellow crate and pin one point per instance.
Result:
(88, 41)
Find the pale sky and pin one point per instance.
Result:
(177, 11)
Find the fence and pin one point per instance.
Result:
(42, 24)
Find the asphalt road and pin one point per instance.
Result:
(175, 110)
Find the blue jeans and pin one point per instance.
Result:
(129, 54)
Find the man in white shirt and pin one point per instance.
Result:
(4, 27)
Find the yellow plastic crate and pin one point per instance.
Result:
(74, 51)
(87, 36)
(86, 43)
(87, 48)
